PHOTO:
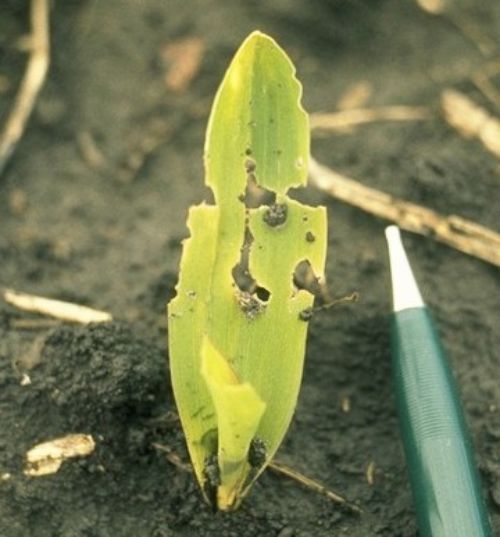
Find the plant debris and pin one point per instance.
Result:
(46, 458)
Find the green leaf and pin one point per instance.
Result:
(257, 114)
(236, 348)
(239, 410)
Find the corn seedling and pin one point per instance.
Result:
(237, 327)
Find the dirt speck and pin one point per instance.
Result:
(276, 215)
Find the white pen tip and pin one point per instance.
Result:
(405, 291)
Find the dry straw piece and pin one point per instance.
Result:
(457, 232)
(65, 311)
(347, 119)
(46, 458)
(32, 82)
(471, 120)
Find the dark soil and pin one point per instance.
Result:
(108, 234)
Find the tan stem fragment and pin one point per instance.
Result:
(457, 232)
(55, 308)
(285, 470)
(355, 95)
(346, 119)
(46, 458)
(471, 120)
(32, 81)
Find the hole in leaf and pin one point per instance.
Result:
(304, 278)
(310, 236)
(208, 195)
(250, 165)
(241, 273)
(255, 196)
(250, 305)
(252, 298)
(263, 294)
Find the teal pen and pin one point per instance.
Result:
(443, 475)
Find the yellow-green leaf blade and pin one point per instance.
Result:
(239, 410)
(186, 328)
(257, 114)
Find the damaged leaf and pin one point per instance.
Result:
(236, 333)
(239, 409)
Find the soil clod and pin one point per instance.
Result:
(276, 214)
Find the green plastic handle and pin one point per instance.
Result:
(443, 475)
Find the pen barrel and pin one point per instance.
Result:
(443, 476)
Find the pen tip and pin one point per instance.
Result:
(405, 290)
